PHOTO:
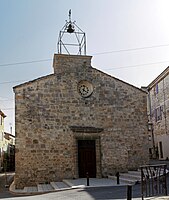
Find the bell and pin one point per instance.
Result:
(70, 29)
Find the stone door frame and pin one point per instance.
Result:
(87, 158)
(88, 136)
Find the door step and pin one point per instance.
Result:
(41, 188)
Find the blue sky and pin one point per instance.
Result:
(136, 32)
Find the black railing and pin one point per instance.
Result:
(153, 180)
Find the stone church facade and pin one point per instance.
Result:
(78, 120)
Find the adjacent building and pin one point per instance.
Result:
(9, 152)
(2, 143)
(158, 112)
(7, 147)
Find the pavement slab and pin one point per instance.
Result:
(30, 189)
(61, 185)
(45, 188)
(93, 182)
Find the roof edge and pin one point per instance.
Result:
(44, 77)
(29, 82)
(140, 89)
(159, 78)
(2, 114)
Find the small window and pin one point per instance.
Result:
(161, 149)
(158, 113)
(156, 88)
(1, 120)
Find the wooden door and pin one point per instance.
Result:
(87, 158)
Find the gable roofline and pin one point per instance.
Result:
(29, 82)
(158, 78)
(8, 135)
(44, 77)
(140, 89)
(2, 114)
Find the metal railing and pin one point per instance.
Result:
(153, 180)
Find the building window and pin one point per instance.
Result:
(1, 119)
(161, 149)
(158, 113)
(156, 89)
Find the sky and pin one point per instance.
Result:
(128, 39)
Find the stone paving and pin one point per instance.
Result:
(72, 184)
(66, 185)
(69, 184)
(93, 182)
(5, 180)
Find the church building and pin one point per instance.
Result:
(78, 120)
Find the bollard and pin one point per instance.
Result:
(87, 176)
(118, 178)
(129, 192)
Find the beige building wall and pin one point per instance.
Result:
(52, 116)
(158, 98)
(2, 116)
(2, 140)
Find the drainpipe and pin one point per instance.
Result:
(151, 125)
(165, 115)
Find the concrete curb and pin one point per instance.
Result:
(158, 198)
(21, 192)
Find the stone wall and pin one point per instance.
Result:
(46, 108)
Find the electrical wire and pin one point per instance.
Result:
(7, 108)
(130, 66)
(109, 69)
(25, 62)
(6, 99)
(101, 53)
(96, 54)
(8, 82)
(132, 49)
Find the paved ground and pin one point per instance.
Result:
(94, 193)
(5, 181)
(94, 182)
(105, 193)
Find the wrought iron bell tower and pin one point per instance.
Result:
(76, 44)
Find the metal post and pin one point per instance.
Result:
(5, 169)
(87, 176)
(165, 179)
(142, 182)
(153, 140)
(129, 192)
(118, 178)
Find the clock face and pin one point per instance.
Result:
(85, 88)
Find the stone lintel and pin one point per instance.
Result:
(85, 129)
